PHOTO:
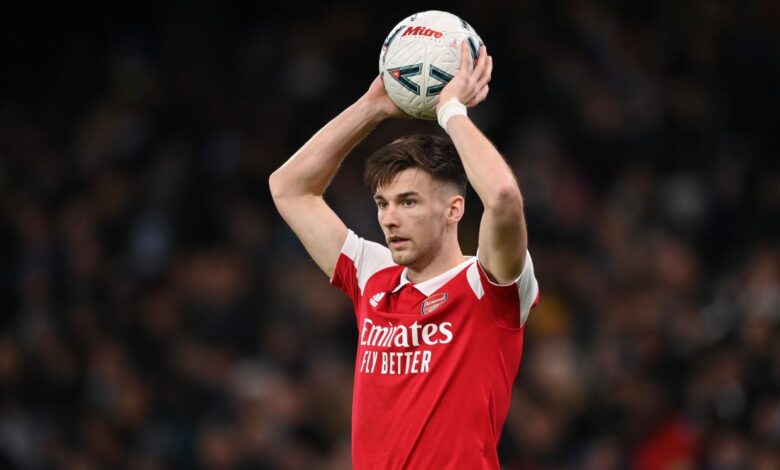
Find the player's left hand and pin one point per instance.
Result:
(469, 86)
(377, 95)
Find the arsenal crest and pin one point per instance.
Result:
(432, 303)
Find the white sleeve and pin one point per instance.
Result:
(526, 284)
(368, 257)
(528, 287)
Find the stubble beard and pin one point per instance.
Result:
(409, 258)
(404, 258)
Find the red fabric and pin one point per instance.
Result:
(431, 390)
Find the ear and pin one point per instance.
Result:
(455, 207)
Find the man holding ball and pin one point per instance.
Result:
(440, 334)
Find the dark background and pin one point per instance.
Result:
(157, 312)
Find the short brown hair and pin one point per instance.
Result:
(433, 154)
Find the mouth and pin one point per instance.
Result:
(397, 242)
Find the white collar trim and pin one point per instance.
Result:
(433, 284)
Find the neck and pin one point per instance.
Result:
(446, 259)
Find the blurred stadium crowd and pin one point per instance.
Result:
(157, 312)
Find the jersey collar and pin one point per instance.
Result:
(433, 284)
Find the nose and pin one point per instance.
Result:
(388, 218)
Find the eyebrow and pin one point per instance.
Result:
(399, 196)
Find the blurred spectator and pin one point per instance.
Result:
(159, 314)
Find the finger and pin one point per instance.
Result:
(464, 57)
(474, 99)
(480, 62)
(481, 65)
(487, 74)
(481, 95)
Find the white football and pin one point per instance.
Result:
(421, 55)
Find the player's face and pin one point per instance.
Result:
(413, 212)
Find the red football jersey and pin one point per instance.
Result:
(435, 361)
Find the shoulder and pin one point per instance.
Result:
(362, 259)
(521, 294)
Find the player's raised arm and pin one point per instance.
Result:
(297, 186)
(502, 232)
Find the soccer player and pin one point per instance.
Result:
(440, 333)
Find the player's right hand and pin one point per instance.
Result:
(377, 95)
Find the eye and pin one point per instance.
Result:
(381, 204)
(408, 202)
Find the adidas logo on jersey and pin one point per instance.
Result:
(376, 298)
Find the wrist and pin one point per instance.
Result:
(372, 109)
(448, 109)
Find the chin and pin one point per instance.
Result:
(403, 259)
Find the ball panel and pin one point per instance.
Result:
(419, 57)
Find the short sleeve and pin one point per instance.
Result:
(528, 288)
(517, 297)
(359, 260)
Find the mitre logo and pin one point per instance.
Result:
(421, 31)
(432, 303)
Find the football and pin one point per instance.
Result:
(421, 55)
